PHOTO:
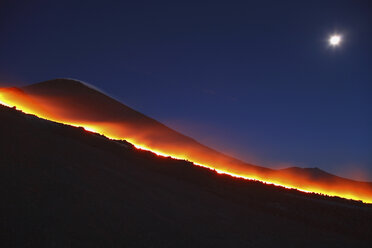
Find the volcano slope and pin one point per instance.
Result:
(73, 102)
(61, 186)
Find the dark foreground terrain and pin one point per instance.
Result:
(61, 186)
(70, 100)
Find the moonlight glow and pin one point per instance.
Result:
(335, 40)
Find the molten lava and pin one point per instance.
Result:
(79, 105)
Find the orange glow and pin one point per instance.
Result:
(58, 110)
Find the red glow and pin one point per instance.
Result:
(157, 139)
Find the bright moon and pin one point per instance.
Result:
(335, 40)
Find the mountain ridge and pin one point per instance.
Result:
(75, 102)
(64, 186)
(315, 171)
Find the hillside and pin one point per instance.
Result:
(73, 102)
(62, 186)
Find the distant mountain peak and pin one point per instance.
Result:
(63, 85)
(60, 81)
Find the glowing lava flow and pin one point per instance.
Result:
(257, 178)
(219, 171)
(13, 97)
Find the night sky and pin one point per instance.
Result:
(254, 79)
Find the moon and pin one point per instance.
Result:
(335, 40)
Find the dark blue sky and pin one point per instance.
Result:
(256, 79)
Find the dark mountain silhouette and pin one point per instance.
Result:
(74, 101)
(312, 173)
(79, 102)
(62, 186)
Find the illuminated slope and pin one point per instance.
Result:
(72, 102)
